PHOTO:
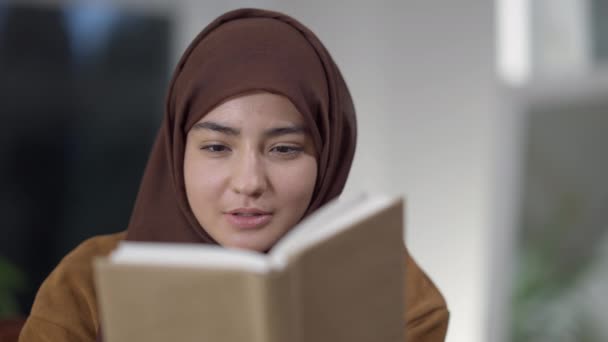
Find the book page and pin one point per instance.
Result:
(153, 303)
(189, 255)
(328, 221)
(351, 284)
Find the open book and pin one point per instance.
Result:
(336, 276)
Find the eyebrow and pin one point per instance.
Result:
(279, 131)
(270, 133)
(212, 126)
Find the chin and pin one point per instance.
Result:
(253, 244)
(246, 244)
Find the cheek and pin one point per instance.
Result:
(295, 184)
(203, 180)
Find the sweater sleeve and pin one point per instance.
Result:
(426, 314)
(65, 307)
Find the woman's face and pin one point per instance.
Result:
(250, 168)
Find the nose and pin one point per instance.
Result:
(249, 175)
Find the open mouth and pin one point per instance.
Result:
(248, 218)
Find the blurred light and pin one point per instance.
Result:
(89, 27)
(513, 44)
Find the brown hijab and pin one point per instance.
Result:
(242, 51)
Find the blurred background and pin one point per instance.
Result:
(491, 117)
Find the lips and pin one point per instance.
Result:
(248, 218)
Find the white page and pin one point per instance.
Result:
(328, 221)
(189, 255)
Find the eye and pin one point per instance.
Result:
(215, 148)
(286, 150)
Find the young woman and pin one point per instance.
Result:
(259, 131)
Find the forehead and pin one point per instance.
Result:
(258, 107)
